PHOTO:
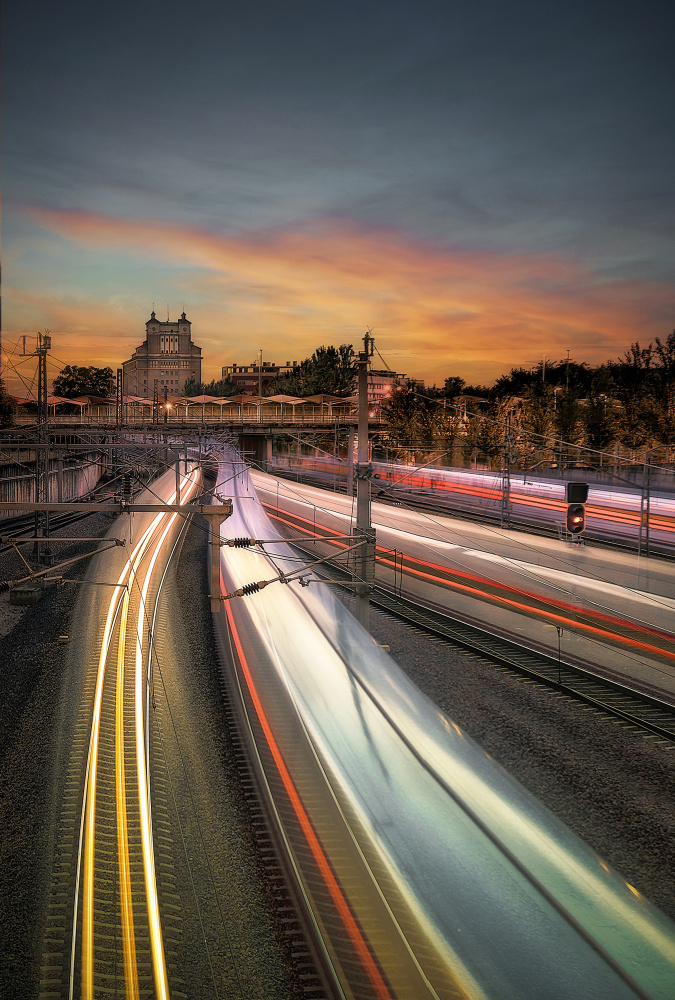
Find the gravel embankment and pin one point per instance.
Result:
(32, 682)
(31, 671)
(226, 871)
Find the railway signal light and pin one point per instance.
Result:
(576, 518)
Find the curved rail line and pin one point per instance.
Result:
(609, 523)
(621, 632)
(644, 709)
(120, 915)
(415, 853)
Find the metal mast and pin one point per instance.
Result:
(365, 555)
(44, 343)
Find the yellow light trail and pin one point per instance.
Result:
(88, 877)
(126, 903)
(154, 920)
(157, 948)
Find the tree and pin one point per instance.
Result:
(453, 386)
(7, 407)
(330, 370)
(470, 438)
(75, 381)
(192, 387)
(216, 387)
(447, 426)
(516, 383)
(631, 380)
(662, 416)
(538, 409)
(567, 416)
(413, 418)
(400, 412)
(599, 419)
(490, 431)
(536, 423)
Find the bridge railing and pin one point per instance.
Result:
(227, 415)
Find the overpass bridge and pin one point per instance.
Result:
(251, 429)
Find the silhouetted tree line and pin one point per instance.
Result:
(530, 415)
(329, 370)
(537, 415)
(76, 380)
(216, 387)
(7, 407)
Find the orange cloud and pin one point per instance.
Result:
(435, 310)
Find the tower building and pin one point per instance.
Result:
(166, 356)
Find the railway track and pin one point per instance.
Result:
(634, 708)
(493, 518)
(113, 921)
(324, 707)
(16, 527)
(641, 710)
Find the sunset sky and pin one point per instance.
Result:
(481, 183)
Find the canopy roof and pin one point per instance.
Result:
(51, 400)
(103, 400)
(243, 398)
(282, 398)
(202, 399)
(325, 397)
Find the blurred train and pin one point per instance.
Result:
(428, 871)
(640, 515)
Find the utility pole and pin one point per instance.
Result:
(506, 476)
(644, 506)
(350, 462)
(119, 400)
(365, 555)
(260, 374)
(44, 343)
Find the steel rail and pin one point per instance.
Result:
(89, 804)
(631, 706)
(602, 537)
(118, 621)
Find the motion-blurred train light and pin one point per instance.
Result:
(576, 492)
(576, 518)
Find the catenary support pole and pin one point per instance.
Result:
(365, 555)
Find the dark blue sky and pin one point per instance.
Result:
(527, 148)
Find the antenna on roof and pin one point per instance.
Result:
(167, 312)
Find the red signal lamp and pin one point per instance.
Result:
(576, 518)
